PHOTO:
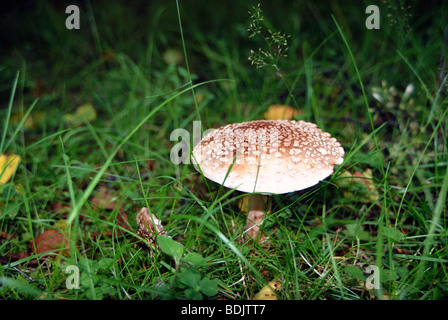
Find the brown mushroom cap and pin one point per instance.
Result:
(268, 156)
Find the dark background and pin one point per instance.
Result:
(33, 32)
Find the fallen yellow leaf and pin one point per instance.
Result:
(359, 185)
(268, 291)
(27, 124)
(8, 165)
(32, 121)
(280, 112)
(82, 114)
(173, 57)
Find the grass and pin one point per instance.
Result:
(349, 80)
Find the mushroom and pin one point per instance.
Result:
(149, 227)
(264, 157)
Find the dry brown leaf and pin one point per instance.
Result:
(122, 221)
(62, 208)
(45, 295)
(280, 112)
(150, 165)
(104, 200)
(109, 55)
(52, 239)
(5, 235)
(108, 202)
(18, 256)
(41, 89)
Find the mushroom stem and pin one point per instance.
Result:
(258, 206)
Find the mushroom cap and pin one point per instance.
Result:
(268, 156)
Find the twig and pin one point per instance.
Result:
(6, 262)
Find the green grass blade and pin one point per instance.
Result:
(8, 115)
(20, 125)
(80, 203)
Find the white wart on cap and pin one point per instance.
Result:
(268, 156)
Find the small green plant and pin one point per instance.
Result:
(276, 42)
(94, 276)
(187, 282)
(276, 46)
